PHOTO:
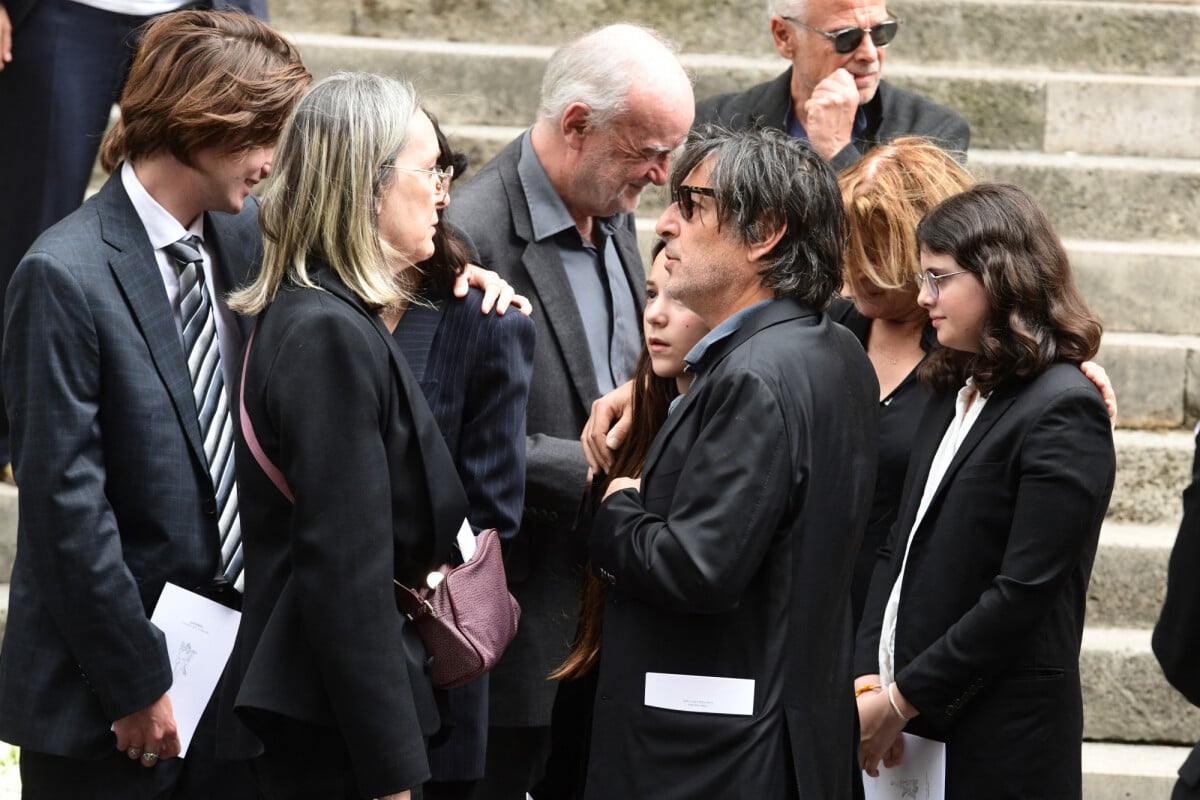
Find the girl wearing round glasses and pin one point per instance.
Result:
(975, 614)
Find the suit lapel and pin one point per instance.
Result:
(549, 278)
(781, 310)
(991, 413)
(625, 239)
(929, 436)
(136, 272)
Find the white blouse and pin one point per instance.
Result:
(956, 432)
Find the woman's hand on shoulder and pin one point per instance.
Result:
(497, 293)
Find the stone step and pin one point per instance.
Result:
(1147, 286)
(8, 531)
(1129, 578)
(1112, 198)
(1130, 771)
(1153, 468)
(1125, 696)
(1025, 109)
(1150, 38)
(1156, 377)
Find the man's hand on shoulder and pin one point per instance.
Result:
(149, 735)
(607, 427)
(829, 113)
(6, 37)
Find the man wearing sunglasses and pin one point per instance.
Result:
(833, 94)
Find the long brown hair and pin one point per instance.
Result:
(1036, 315)
(651, 400)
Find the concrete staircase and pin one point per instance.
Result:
(1094, 106)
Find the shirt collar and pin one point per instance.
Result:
(161, 227)
(731, 325)
(547, 212)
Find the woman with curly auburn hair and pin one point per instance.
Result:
(974, 618)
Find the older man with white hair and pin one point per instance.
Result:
(833, 95)
(552, 213)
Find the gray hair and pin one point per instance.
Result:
(596, 71)
(763, 180)
(329, 168)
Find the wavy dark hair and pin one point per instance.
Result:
(1036, 315)
(651, 400)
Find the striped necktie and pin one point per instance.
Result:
(208, 390)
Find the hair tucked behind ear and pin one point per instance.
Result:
(1036, 314)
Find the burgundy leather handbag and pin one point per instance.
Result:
(466, 618)
(469, 618)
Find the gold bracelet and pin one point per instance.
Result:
(866, 687)
(896, 708)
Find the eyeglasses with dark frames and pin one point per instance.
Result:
(441, 177)
(683, 197)
(931, 279)
(847, 40)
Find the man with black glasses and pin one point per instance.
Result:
(833, 95)
(729, 561)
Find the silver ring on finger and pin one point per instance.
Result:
(149, 758)
(134, 752)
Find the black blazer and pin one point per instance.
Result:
(892, 112)
(734, 560)
(337, 410)
(992, 604)
(491, 208)
(115, 495)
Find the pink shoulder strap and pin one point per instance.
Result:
(265, 463)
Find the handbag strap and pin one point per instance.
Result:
(248, 434)
(409, 601)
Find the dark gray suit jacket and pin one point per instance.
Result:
(115, 495)
(492, 210)
(893, 112)
(734, 561)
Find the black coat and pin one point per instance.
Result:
(336, 409)
(992, 604)
(734, 561)
(891, 113)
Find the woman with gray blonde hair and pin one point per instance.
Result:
(344, 479)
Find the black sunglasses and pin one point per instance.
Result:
(683, 197)
(847, 40)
